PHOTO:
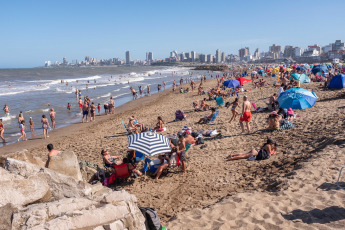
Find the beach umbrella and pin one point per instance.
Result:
(319, 69)
(242, 80)
(337, 82)
(297, 98)
(300, 77)
(232, 83)
(149, 143)
(254, 72)
(261, 72)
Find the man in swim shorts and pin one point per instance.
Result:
(85, 112)
(246, 114)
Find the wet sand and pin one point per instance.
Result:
(278, 193)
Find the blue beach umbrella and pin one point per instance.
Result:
(297, 98)
(319, 69)
(232, 83)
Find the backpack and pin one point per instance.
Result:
(152, 221)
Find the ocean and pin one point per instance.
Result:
(35, 91)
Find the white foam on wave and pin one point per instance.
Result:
(14, 134)
(8, 118)
(121, 95)
(126, 86)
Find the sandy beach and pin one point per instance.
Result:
(294, 189)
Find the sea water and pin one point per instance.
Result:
(35, 91)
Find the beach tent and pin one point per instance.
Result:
(337, 82)
(242, 80)
(261, 72)
(300, 77)
(300, 68)
(319, 69)
(297, 98)
(232, 83)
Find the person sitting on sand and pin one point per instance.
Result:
(165, 163)
(131, 125)
(267, 150)
(52, 152)
(203, 105)
(205, 119)
(160, 124)
(196, 106)
(109, 160)
(274, 121)
(290, 114)
(131, 161)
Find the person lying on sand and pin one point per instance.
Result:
(189, 139)
(207, 118)
(267, 150)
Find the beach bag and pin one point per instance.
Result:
(179, 116)
(152, 221)
(262, 155)
(200, 141)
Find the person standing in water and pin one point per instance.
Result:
(45, 126)
(2, 130)
(69, 107)
(32, 129)
(140, 90)
(22, 131)
(99, 109)
(52, 117)
(112, 102)
(164, 85)
(6, 110)
(148, 90)
(20, 118)
(85, 112)
(92, 111)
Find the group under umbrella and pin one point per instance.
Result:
(149, 143)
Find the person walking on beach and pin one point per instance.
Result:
(92, 111)
(85, 112)
(20, 118)
(52, 117)
(246, 114)
(2, 130)
(112, 102)
(234, 104)
(32, 129)
(45, 126)
(22, 131)
(148, 90)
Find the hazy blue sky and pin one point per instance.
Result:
(34, 31)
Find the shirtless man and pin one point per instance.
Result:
(246, 114)
(85, 112)
(134, 93)
(112, 102)
(189, 139)
(52, 152)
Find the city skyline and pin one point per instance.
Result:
(33, 32)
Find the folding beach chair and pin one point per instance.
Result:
(128, 130)
(122, 171)
(139, 156)
(337, 183)
(213, 117)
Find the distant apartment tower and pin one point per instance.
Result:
(289, 51)
(243, 53)
(256, 54)
(338, 46)
(202, 58)
(210, 58)
(218, 56)
(193, 56)
(149, 57)
(128, 57)
(64, 61)
(223, 57)
(275, 49)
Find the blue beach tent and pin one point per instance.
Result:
(319, 69)
(297, 98)
(337, 82)
(300, 77)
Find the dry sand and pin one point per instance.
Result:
(292, 190)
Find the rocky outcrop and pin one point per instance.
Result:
(22, 155)
(35, 197)
(66, 163)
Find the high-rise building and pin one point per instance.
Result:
(149, 57)
(275, 49)
(256, 54)
(188, 56)
(64, 61)
(218, 56)
(243, 53)
(338, 46)
(128, 57)
(289, 51)
(203, 58)
(210, 58)
(223, 57)
(193, 56)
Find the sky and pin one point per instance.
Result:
(35, 31)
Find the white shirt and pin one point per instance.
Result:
(280, 90)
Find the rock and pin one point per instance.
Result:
(6, 213)
(61, 186)
(98, 189)
(88, 173)
(66, 163)
(20, 191)
(114, 226)
(22, 155)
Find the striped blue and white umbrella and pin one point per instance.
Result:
(149, 143)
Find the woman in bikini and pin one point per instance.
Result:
(2, 130)
(160, 124)
(45, 126)
(32, 129)
(131, 125)
(22, 131)
(109, 160)
(52, 117)
(234, 104)
(268, 149)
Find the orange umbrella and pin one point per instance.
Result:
(242, 80)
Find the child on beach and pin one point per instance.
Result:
(22, 131)
(99, 109)
(31, 124)
(69, 106)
